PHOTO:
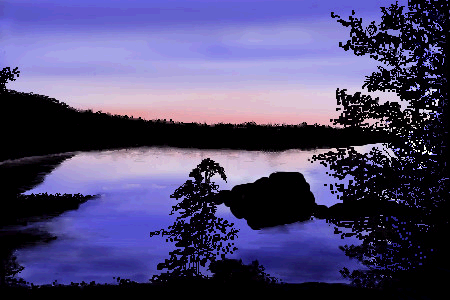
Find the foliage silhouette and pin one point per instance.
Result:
(410, 169)
(200, 239)
(233, 271)
(5, 75)
(9, 267)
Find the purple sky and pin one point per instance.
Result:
(232, 61)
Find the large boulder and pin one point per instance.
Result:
(285, 197)
(281, 198)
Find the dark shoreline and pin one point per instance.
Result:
(39, 125)
(25, 152)
(204, 290)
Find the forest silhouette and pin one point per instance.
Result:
(39, 125)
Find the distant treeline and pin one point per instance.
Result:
(34, 124)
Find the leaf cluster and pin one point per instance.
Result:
(5, 75)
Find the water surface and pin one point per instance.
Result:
(109, 236)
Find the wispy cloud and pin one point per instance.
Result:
(190, 53)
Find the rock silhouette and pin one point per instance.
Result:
(358, 209)
(281, 198)
(285, 198)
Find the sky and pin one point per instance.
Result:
(206, 61)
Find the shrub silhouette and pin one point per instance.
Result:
(233, 271)
(9, 268)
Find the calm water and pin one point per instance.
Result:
(109, 236)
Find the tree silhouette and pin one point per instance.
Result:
(9, 267)
(5, 75)
(410, 170)
(198, 233)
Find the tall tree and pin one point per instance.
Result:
(198, 233)
(412, 169)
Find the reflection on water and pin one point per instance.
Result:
(110, 236)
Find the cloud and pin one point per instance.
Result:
(270, 35)
(119, 15)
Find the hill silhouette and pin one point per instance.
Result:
(35, 124)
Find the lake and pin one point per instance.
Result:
(109, 236)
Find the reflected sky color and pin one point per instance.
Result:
(191, 61)
(109, 236)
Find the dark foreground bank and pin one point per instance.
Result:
(206, 290)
